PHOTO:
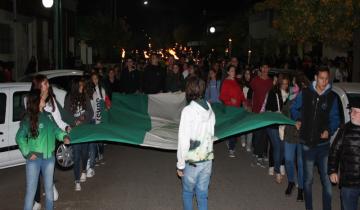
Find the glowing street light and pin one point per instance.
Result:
(249, 56)
(146, 2)
(230, 46)
(47, 3)
(212, 29)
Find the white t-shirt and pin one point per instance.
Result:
(96, 103)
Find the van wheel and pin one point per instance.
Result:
(64, 156)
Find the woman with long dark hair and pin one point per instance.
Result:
(36, 138)
(78, 104)
(40, 82)
(274, 102)
(246, 138)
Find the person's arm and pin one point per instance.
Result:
(295, 111)
(207, 92)
(22, 139)
(184, 138)
(242, 98)
(224, 93)
(59, 134)
(167, 84)
(334, 156)
(89, 112)
(58, 119)
(334, 117)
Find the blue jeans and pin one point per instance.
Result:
(349, 198)
(247, 138)
(33, 168)
(231, 142)
(316, 155)
(93, 152)
(81, 155)
(292, 151)
(278, 147)
(196, 179)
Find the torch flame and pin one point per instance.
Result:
(173, 53)
(146, 55)
(122, 53)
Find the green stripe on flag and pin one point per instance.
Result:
(127, 121)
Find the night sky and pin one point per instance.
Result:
(164, 14)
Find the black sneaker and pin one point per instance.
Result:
(300, 196)
(289, 188)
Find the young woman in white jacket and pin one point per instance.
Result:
(195, 145)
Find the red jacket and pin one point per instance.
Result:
(231, 89)
(260, 88)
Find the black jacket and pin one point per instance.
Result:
(174, 82)
(316, 113)
(272, 100)
(153, 80)
(345, 153)
(129, 81)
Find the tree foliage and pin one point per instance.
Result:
(326, 21)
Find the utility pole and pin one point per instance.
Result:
(16, 64)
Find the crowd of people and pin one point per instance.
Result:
(287, 151)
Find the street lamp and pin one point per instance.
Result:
(212, 29)
(249, 56)
(146, 2)
(47, 3)
(230, 46)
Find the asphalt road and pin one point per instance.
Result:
(135, 178)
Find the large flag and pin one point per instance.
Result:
(153, 121)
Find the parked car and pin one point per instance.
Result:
(12, 110)
(60, 78)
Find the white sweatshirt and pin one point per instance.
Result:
(196, 125)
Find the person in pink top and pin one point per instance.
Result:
(260, 86)
(231, 94)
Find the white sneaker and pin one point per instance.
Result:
(37, 206)
(248, 149)
(282, 170)
(83, 177)
(56, 193)
(243, 144)
(232, 153)
(271, 171)
(77, 186)
(90, 173)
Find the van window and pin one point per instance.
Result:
(2, 107)
(19, 105)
